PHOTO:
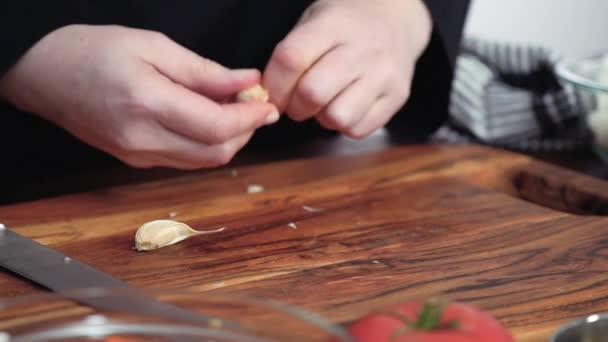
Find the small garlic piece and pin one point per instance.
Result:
(257, 93)
(311, 209)
(254, 188)
(161, 233)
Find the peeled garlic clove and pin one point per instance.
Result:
(257, 93)
(161, 233)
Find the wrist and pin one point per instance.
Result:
(416, 17)
(421, 24)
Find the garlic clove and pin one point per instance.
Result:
(257, 93)
(162, 233)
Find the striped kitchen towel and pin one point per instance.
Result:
(509, 96)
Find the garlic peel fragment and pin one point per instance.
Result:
(162, 233)
(312, 209)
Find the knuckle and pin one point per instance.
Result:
(289, 56)
(137, 162)
(358, 134)
(135, 101)
(402, 91)
(220, 132)
(127, 142)
(158, 37)
(378, 52)
(341, 119)
(137, 137)
(203, 66)
(223, 155)
(310, 93)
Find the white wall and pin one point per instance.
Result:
(574, 27)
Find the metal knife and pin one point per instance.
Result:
(64, 275)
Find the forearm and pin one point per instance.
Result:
(25, 22)
(420, 23)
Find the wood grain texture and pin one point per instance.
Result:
(495, 229)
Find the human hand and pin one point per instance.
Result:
(137, 95)
(349, 63)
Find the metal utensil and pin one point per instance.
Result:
(593, 328)
(63, 274)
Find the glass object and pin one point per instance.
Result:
(53, 317)
(589, 78)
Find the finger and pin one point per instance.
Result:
(325, 80)
(192, 115)
(379, 115)
(175, 151)
(191, 155)
(350, 106)
(197, 73)
(292, 58)
(145, 161)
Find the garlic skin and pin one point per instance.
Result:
(162, 233)
(257, 93)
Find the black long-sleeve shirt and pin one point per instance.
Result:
(236, 33)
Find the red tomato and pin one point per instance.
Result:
(452, 322)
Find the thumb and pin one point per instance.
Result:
(199, 74)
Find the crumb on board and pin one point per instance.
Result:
(254, 188)
(173, 214)
(292, 225)
(216, 323)
(312, 209)
(234, 173)
(376, 262)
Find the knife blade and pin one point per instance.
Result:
(64, 275)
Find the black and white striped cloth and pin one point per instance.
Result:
(509, 96)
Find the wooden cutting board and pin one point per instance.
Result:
(346, 235)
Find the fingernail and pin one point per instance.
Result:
(245, 74)
(272, 118)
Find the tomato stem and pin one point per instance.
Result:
(430, 315)
(429, 318)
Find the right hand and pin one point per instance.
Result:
(137, 95)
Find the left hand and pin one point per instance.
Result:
(349, 63)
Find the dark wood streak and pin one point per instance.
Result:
(488, 227)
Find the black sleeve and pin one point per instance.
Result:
(23, 23)
(427, 107)
(448, 20)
